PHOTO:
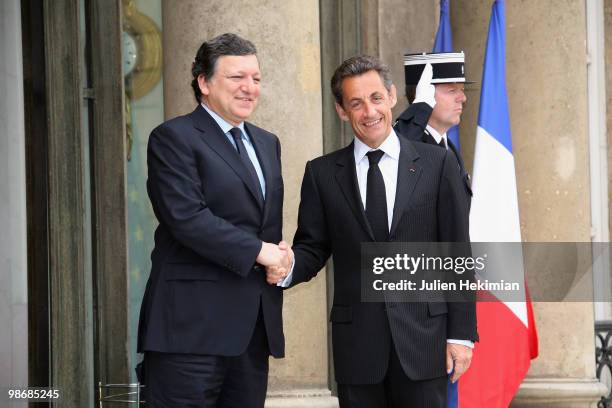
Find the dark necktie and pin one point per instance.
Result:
(376, 198)
(442, 143)
(244, 157)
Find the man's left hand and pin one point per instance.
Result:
(459, 357)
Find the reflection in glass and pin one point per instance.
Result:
(144, 111)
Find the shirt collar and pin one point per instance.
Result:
(223, 124)
(391, 147)
(437, 136)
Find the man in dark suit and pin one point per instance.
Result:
(381, 188)
(434, 109)
(208, 320)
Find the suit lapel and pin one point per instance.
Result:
(346, 176)
(214, 137)
(263, 154)
(408, 174)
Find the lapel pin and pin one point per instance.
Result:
(412, 169)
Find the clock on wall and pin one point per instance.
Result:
(130, 53)
(142, 60)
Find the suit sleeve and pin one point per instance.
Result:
(175, 190)
(311, 244)
(413, 121)
(453, 222)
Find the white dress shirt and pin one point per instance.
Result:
(388, 166)
(437, 136)
(246, 140)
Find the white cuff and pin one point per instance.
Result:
(466, 343)
(287, 281)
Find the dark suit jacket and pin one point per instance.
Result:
(412, 124)
(204, 292)
(332, 221)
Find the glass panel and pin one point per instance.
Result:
(144, 111)
(13, 239)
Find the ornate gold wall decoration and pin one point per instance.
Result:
(143, 38)
(142, 60)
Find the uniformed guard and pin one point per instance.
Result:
(435, 88)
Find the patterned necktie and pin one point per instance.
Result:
(246, 160)
(376, 198)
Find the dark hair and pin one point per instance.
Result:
(206, 58)
(358, 65)
(410, 93)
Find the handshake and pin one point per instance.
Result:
(277, 259)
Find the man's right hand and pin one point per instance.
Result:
(425, 90)
(275, 274)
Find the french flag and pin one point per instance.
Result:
(508, 338)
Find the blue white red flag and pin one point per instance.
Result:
(508, 338)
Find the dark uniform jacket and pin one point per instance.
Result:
(412, 124)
